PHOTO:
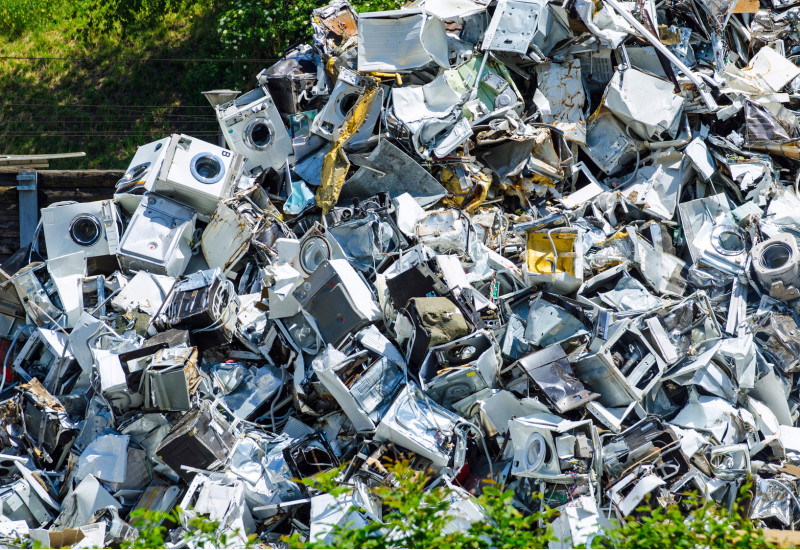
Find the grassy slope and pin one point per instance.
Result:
(120, 93)
(110, 101)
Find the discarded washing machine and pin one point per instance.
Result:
(197, 174)
(93, 229)
(158, 237)
(253, 128)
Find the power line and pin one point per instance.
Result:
(106, 105)
(103, 134)
(33, 114)
(109, 120)
(87, 123)
(146, 59)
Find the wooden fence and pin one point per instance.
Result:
(51, 186)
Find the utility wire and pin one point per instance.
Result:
(104, 105)
(103, 134)
(146, 59)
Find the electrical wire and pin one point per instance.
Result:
(638, 158)
(275, 399)
(143, 59)
(8, 354)
(56, 325)
(106, 300)
(112, 118)
(483, 442)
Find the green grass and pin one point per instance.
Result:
(121, 73)
(17, 15)
(111, 95)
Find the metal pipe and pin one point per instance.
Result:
(674, 142)
(702, 87)
(555, 252)
(539, 223)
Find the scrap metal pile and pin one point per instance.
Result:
(552, 243)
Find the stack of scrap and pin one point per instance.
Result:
(552, 242)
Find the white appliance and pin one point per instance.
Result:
(144, 166)
(197, 173)
(158, 238)
(252, 127)
(545, 443)
(92, 228)
(141, 174)
(349, 87)
(535, 452)
(420, 425)
(19, 501)
(335, 286)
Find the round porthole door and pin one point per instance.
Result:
(85, 230)
(207, 168)
(258, 134)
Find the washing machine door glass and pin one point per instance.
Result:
(85, 230)
(727, 241)
(258, 134)
(207, 168)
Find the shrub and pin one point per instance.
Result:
(265, 28)
(19, 15)
(105, 16)
(690, 525)
(416, 518)
(153, 527)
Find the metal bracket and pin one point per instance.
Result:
(27, 186)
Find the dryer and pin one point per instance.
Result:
(197, 173)
(253, 128)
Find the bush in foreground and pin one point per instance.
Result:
(415, 516)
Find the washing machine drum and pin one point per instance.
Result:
(207, 168)
(346, 102)
(85, 230)
(457, 391)
(258, 134)
(775, 255)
